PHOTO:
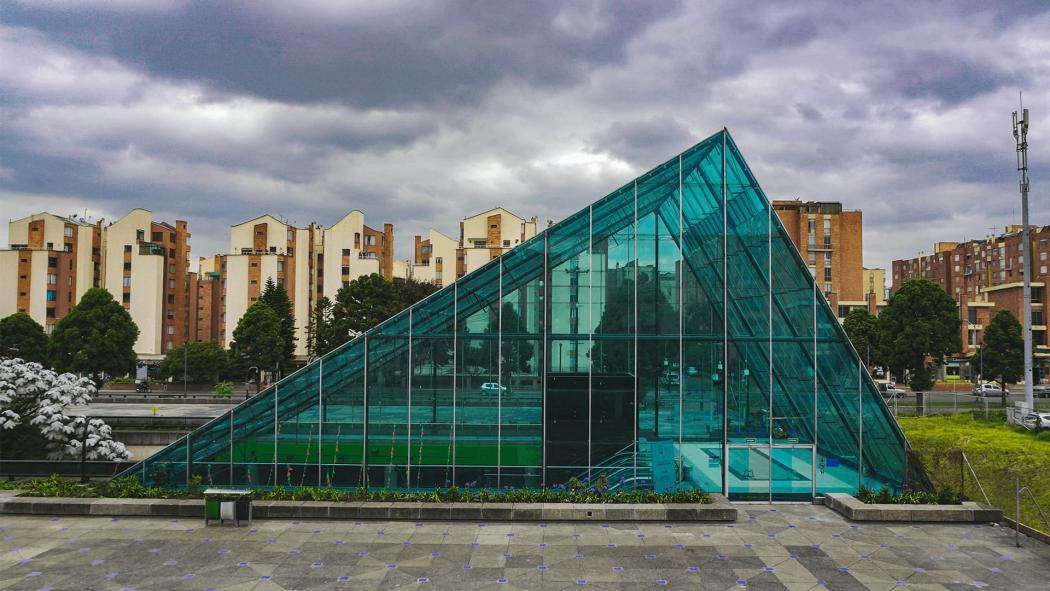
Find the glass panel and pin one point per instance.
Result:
(343, 415)
(521, 349)
(432, 392)
(388, 427)
(792, 473)
(837, 410)
(703, 355)
(748, 473)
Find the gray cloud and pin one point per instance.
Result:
(422, 113)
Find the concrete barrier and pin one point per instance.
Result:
(719, 510)
(855, 510)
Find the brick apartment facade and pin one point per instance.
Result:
(985, 276)
(829, 238)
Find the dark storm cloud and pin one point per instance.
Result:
(645, 142)
(946, 77)
(410, 54)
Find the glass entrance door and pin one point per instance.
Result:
(764, 473)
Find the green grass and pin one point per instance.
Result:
(998, 452)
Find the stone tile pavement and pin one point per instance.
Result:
(769, 547)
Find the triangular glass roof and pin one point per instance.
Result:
(669, 335)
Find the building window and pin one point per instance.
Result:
(127, 248)
(291, 235)
(827, 241)
(289, 249)
(346, 270)
(171, 284)
(52, 262)
(1037, 317)
(827, 288)
(523, 227)
(346, 252)
(438, 260)
(812, 225)
(827, 225)
(51, 295)
(126, 298)
(479, 244)
(1037, 295)
(827, 273)
(1042, 256)
(971, 315)
(171, 269)
(811, 241)
(506, 243)
(171, 329)
(127, 282)
(812, 259)
(140, 235)
(370, 240)
(127, 265)
(67, 232)
(50, 312)
(357, 240)
(158, 236)
(52, 279)
(280, 266)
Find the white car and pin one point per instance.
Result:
(1036, 421)
(493, 388)
(890, 391)
(987, 389)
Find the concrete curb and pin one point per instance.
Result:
(853, 509)
(719, 509)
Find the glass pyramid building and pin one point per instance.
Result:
(668, 335)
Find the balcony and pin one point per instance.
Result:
(151, 248)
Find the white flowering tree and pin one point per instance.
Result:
(33, 395)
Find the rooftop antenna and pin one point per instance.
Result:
(1020, 125)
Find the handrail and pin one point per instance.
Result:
(975, 479)
(1017, 511)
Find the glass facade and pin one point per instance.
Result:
(667, 336)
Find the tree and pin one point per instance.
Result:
(33, 403)
(409, 291)
(1003, 348)
(22, 337)
(275, 296)
(362, 304)
(863, 331)
(204, 363)
(97, 336)
(920, 322)
(257, 340)
(320, 332)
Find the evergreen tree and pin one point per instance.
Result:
(276, 297)
(203, 363)
(920, 322)
(97, 336)
(21, 337)
(1003, 348)
(257, 341)
(863, 331)
(320, 332)
(362, 304)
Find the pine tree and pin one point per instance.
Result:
(257, 341)
(275, 296)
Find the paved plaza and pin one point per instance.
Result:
(769, 547)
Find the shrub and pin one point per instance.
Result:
(222, 390)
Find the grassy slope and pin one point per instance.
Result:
(999, 453)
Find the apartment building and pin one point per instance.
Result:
(311, 262)
(482, 237)
(51, 262)
(985, 276)
(145, 266)
(349, 249)
(829, 239)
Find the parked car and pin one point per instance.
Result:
(493, 388)
(1036, 421)
(691, 371)
(1041, 390)
(988, 389)
(890, 391)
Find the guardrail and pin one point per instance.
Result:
(1017, 511)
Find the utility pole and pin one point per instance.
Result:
(1020, 125)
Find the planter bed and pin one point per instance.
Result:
(717, 510)
(855, 510)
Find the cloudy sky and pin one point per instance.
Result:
(420, 112)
